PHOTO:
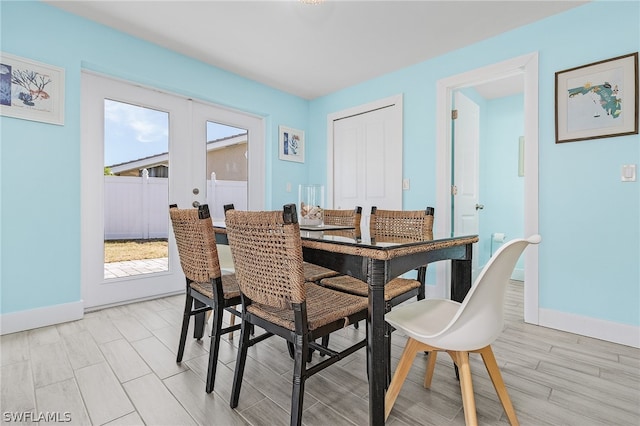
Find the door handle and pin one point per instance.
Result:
(195, 204)
(479, 206)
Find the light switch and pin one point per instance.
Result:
(288, 186)
(405, 184)
(629, 173)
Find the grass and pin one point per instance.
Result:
(121, 250)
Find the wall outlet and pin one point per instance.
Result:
(628, 173)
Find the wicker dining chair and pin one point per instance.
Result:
(316, 273)
(389, 226)
(386, 226)
(267, 254)
(207, 288)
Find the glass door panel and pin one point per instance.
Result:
(227, 174)
(136, 189)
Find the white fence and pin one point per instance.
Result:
(138, 207)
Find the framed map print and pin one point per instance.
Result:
(597, 100)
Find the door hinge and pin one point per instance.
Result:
(454, 114)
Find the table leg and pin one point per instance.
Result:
(460, 278)
(376, 347)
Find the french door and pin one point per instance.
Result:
(185, 123)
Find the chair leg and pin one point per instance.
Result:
(402, 370)
(198, 329)
(431, 365)
(299, 376)
(232, 322)
(466, 387)
(325, 341)
(498, 383)
(214, 347)
(185, 326)
(240, 362)
(387, 339)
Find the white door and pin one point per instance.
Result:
(466, 161)
(367, 160)
(187, 182)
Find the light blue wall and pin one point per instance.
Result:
(40, 168)
(589, 219)
(501, 189)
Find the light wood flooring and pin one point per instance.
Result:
(117, 366)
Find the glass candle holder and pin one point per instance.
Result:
(311, 205)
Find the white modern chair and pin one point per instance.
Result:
(460, 328)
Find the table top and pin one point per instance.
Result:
(361, 243)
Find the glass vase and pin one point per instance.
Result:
(311, 205)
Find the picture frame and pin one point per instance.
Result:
(291, 144)
(31, 90)
(597, 100)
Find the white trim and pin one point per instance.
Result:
(609, 331)
(41, 317)
(396, 100)
(527, 65)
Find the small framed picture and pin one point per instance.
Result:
(597, 100)
(291, 144)
(31, 90)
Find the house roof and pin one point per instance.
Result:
(163, 158)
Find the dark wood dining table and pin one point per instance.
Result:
(376, 261)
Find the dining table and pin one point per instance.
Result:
(376, 260)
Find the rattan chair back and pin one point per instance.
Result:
(267, 254)
(414, 224)
(343, 217)
(196, 241)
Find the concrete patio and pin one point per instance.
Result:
(134, 267)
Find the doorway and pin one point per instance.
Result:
(188, 126)
(527, 65)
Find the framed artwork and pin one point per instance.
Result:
(31, 90)
(291, 144)
(597, 100)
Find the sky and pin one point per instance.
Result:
(132, 132)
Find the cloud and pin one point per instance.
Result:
(148, 125)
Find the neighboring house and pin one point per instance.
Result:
(226, 157)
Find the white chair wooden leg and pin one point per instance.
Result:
(402, 370)
(498, 383)
(431, 365)
(466, 386)
(232, 321)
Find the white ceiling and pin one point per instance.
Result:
(313, 50)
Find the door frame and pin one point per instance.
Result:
(395, 102)
(528, 66)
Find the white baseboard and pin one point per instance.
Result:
(40, 317)
(609, 331)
